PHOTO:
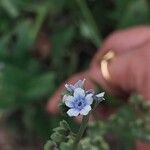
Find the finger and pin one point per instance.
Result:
(128, 71)
(142, 145)
(96, 75)
(121, 42)
(127, 39)
(124, 40)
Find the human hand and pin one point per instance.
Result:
(129, 69)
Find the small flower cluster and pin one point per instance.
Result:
(78, 100)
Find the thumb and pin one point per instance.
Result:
(129, 74)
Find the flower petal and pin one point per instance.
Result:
(73, 112)
(79, 84)
(91, 91)
(64, 98)
(68, 100)
(85, 110)
(100, 95)
(89, 99)
(69, 87)
(79, 92)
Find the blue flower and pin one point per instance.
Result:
(78, 100)
(79, 103)
(78, 84)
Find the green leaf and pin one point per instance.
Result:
(65, 125)
(137, 12)
(50, 145)
(10, 8)
(61, 40)
(57, 137)
(12, 85)
(66, 145)
(40, 86)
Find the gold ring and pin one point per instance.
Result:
(104, 65)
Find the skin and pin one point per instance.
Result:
(129, 70)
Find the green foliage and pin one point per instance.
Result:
(73, 30)
(132, 12)
(62, 137)
(122, 128)
(50, 145)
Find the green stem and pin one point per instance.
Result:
(83, 126)
(41, 15)
(86, 12)
(81, 131)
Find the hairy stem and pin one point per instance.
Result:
(81, 131)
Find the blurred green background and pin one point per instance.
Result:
(42, 42)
